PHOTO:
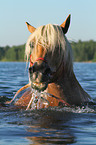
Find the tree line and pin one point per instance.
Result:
(82, 51)
(14, 53)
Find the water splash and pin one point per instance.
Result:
(38, 100)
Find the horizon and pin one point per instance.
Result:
(14, 14)
(68, 40)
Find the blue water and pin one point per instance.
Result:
(75, 126)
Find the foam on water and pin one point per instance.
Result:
(74, 109)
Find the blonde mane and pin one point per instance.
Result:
(52, 38)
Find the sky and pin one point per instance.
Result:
(14, 14)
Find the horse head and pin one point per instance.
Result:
(50, 53)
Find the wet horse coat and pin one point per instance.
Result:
(51, 69)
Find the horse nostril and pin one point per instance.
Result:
(31, 69)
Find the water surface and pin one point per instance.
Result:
(46, 126)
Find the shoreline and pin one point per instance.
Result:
(73, 61)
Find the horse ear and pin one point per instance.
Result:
(65, 24)
(30, 28)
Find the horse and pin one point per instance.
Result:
(51, 73)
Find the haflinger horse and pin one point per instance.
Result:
(51, 73)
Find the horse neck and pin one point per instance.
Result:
(56, 88)
(67, 87)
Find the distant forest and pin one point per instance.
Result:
(82, 51)
(14, 53)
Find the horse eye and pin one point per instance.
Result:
(31, 44)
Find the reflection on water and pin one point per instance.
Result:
(46, 126)
(42, 126)
(51, 129)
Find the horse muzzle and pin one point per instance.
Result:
(39, 76)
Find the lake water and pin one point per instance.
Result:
(75, 126)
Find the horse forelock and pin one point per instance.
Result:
(52, 38)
